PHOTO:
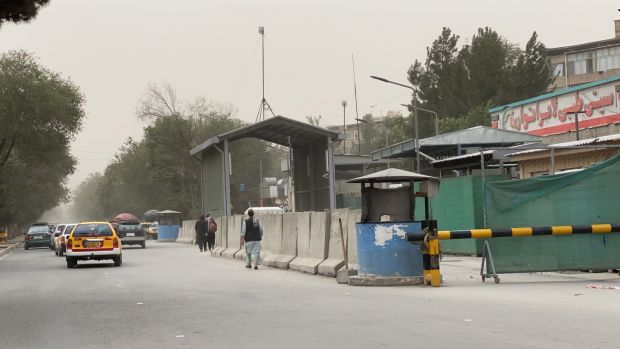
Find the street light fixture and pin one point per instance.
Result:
(415, 116)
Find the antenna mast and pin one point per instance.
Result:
(264, 105)
(357, 116)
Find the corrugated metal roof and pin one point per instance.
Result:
(275, 130)
(589, 141)
(392, 175)
(465, 156)
(555, 93)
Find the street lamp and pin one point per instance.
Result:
(428, 111)
(415, 115)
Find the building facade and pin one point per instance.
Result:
(587, 62)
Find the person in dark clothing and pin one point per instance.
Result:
(251, 236)
(201, 228)
(211, 229)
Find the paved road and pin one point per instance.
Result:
(172, 296)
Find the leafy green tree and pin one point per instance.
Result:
(40, 113)
(457, 82)
(20, 10)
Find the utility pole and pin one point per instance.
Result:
(264, 105)
(344, 127)
(576, 113)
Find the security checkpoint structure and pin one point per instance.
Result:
(384, 255)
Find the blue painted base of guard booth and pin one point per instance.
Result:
(167, 233)
(384, 252)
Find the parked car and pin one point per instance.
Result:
(60, 244)
(93, 241)
(131, 233)
(38, 235)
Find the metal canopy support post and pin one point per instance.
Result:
(227, 207)
(488, 257)
(552, 161)
(331, 174)
(291, 171)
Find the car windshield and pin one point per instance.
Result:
(68, 229)
(38, 229)
(92, 229)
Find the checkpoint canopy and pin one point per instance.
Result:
(312, 165)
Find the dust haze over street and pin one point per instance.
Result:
(170, 295)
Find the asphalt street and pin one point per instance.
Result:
(172, 296)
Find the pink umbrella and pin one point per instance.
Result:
(124, 217)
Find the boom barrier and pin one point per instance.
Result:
(430, 238)
(517, 232)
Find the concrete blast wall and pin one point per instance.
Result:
(272, 237)
(187, 232)
(220, 235)
(233, 235)
(304, 241)
(312, 241)
(335, 255)
(283, 246)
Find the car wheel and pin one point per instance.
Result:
(71, 262)
(60, 253)
(118, 260)
(26, 247)
(143, 244)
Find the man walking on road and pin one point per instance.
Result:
(201, 228)
(212, 228)
(251, 236)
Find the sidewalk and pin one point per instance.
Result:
(8, 247)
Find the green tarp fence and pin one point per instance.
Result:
(578, 198)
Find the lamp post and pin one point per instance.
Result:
(415, 116)
(344, 127)
(428, 111)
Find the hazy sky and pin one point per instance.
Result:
(114, 48)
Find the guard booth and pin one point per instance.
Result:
(168, 230)
(384, 255)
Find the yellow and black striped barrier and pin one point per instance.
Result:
(517, 232)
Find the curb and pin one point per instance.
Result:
(8, 249)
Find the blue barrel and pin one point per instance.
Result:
(383, 249)
(167, 232)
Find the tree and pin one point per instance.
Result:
(40, 113)
(85, 205)
(314, 120)
(20, 10)
(457, 83)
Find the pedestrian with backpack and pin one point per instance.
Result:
(212, 228)
(201, 228)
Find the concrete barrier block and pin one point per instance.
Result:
(312, 235)
(272, 238)
(187, 233)
(288, 245)
(220, 235)
(354, 217)
(233, 234)
(335, 256)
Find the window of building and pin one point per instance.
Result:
(608, 58)
(558, 70)
(580, 63)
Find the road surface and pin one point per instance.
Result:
(172, 296)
